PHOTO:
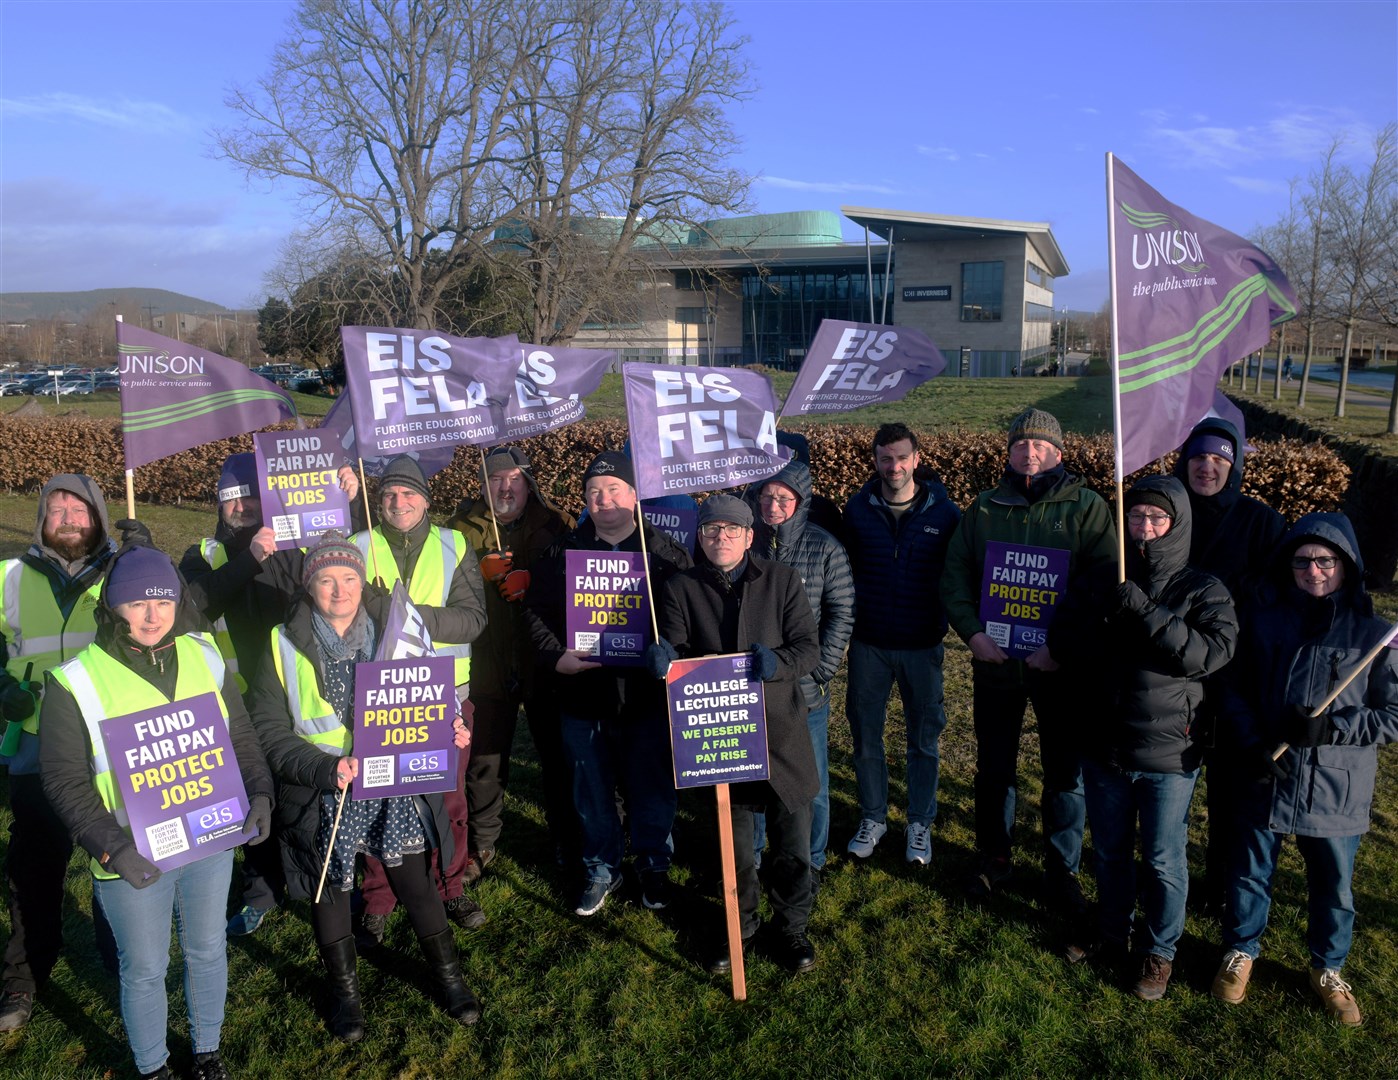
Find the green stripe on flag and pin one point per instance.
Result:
(163, 416)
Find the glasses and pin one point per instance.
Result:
(779, 500)
(714, 531)
(1138, 517)
(1323, 562)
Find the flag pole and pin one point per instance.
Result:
(730, 892)
(1369, 658)
(330, 847)
(489, 498)
(368, 523)
(130, 473)
(645, 568)
(1115, 365)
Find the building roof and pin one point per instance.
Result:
(909, 225)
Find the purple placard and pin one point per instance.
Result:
(608, 605)
(850, 365)
(680, 524)
(179, 781)
(299, 486)
(718, 721)
(1020, 590)
(403, 737)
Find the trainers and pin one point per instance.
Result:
(794, 951)
(981, 885)
(476, 867)
(209, 1067)
(1231, 982)
(371, 930)
(16, 1006)
(1154, 977)
(247, 920)
(655, 890)
(919, 849)
(595, 894)
(1335, 994)
(465, 912)
(867, 838)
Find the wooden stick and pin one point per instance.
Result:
(1369, 658)
(489, 499)
(330, 848)
(645, 566)
(368, 521)
(130, 493)
(730, 892)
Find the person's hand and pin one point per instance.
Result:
(377, 601)
(660, 654)
(574, 661)
(1303, 729)
(1041, 660)
(263, 543)
(985, 650)
(461, 734)
(764, 662)
(349, 482)
(514, 585)
(133, 867)
(346, 769)
(1130, 600)
(495, 565)
(1267, 768)
(135, 533)
(259, 820)
(18, 702)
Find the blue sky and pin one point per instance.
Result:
(1000, 110)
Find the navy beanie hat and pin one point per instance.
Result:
(142, 573)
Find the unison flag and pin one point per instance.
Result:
(850, 365)
(700, 428)
(175, 395)
(550, 384)
(1189, 298)
(340, 422)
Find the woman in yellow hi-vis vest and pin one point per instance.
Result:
(144, 658)
(302, 702)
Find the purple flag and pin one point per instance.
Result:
(700, 428)
(718, 721)
(1224, 409)
(339, 421)
(175, 396)
(550, 384)
(1190, 298)
(404, 633)
(850, 365)
(420, 389)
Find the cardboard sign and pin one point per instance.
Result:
(299, 486)
(718, 721)
(679, 523)
(403, 716)
(1020, 590)
(608, 606)
(178, 777)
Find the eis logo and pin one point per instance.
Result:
(319, 521)
(1161, 241)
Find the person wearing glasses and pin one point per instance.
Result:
(1307, 630)
(1138, 651)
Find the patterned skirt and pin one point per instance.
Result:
(387, 829)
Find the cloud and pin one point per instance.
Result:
(832, 187)
(1300, 134)
(1088, 110)
(941, 153)
(147, 116)
(1258, 185)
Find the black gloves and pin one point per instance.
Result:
(1303, 729)
(764, 662)
(659, 656)
(259, 820)
(376, 602)
(1130, 599)
(18, 702)
(133, 532)
(135, 869)
(1265, 768)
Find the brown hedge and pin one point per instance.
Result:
(1293, 476)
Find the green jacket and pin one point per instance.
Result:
(1067, 515)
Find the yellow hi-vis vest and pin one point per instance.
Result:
(216, 555)
(431, 581)
(104, 687)
(33, 625)
(312, 717)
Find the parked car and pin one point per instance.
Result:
(12, 388)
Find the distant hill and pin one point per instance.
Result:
(75, 306)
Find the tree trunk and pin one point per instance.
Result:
(1344, 372)
(1281, 347)
(1306, 365)
(1393, 408)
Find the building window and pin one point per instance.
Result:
(691, 316)
(982, 291)
(1037, 275)
(1037, 313)
(686, 280)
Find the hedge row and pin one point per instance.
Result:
(1293, 476)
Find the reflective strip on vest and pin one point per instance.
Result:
(216, 555)
(34, 628)
(431, 583)
(104, 687)
(312, 717)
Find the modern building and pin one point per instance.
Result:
(753, 289)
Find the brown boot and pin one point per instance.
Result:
(1154, 978)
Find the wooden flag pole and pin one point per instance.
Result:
(645, 568)
(489, 499)
(368, 520)
(1369, 658)
(730, 892)
(330, 848)
(130, 493)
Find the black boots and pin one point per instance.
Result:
(347, 1023)
(440, 951)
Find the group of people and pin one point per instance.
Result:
(1211, 646)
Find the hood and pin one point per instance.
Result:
(1332, 530)
(1214, 425)
(1152, 563)
(85, 488)
(797, 477)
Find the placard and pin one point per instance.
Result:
(608, 607)
(404, 711)
(718, 721)
(297, 479)
(1021, 588)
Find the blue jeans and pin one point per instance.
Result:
(1329, 872)
(633, 751)
(872, 673)
(195, 898)
(818, 721)
(1116, 799)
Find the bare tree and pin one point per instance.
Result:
(1311, 278)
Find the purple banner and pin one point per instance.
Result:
(1020, 590)
(679, 523)
(297, 478)
(608, 606)
(697, 429)
(179, 781)
(403, 716)
(339, 422)
(175, 396)
(718, 721)
(1191, 298)
(850, 365)
(420, 389)
(550, 384)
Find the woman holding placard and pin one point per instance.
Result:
(132, 793)
(302, 703)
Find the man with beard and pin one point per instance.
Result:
(47, 600)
